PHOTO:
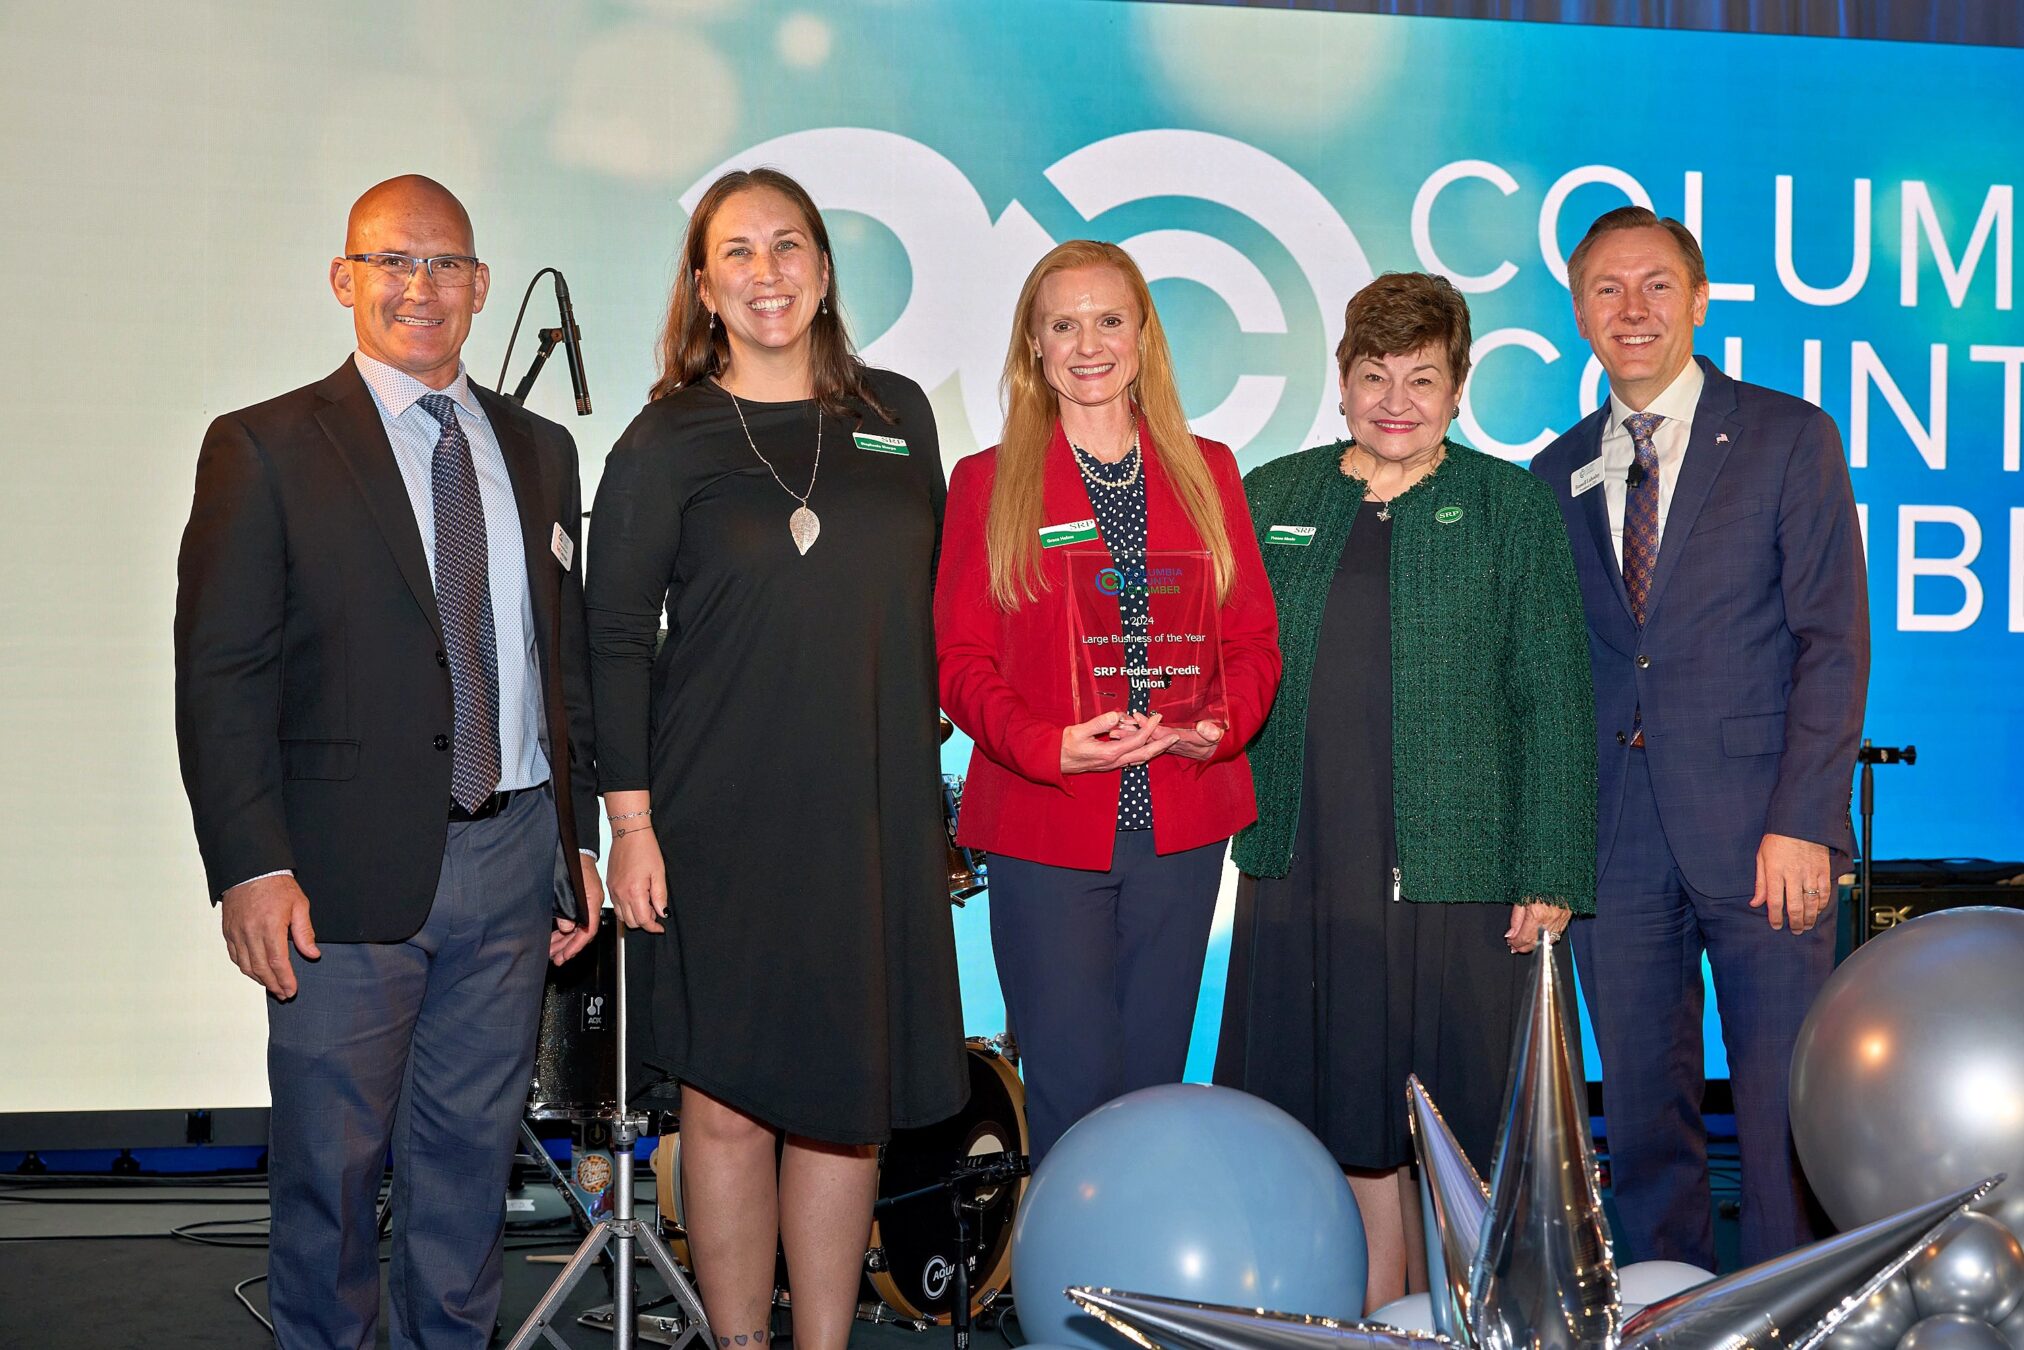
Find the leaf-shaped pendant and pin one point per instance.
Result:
(804, 527)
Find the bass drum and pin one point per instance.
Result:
(908, 1272)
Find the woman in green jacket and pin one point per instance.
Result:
(1426, 780)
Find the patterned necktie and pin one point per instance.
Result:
(464, 598)
(1641, 514)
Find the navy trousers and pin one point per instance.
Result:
(1640, 964)
(426, 1046)
(1101, 973)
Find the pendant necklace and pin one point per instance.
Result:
(803, 525)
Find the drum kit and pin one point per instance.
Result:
(940, 1251)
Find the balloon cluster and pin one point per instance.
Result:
(1908, 1080)
(1524, 1262)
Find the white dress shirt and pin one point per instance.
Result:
(1669, 439)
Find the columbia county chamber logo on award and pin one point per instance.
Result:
(1145, 634)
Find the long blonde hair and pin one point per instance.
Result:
(1012, 528)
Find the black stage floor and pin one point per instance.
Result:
(94, 1265)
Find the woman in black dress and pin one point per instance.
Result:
(1426, 780)
(770, 770)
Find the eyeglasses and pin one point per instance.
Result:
(448, 270)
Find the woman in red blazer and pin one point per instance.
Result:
(1106, 832)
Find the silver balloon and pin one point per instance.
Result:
(1879, 1320)
(1156, 1323)
(1544, 1279)
(1953, 1331)
(1453, 1200)
(1800, 1298)
(2006, 1206)
(2012, 1328)
(1908, 1074)
(1975, 1266)
(1643, 1282)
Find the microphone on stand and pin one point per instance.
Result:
(572, 347)
(568, 335)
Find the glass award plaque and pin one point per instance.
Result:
(1151, 622)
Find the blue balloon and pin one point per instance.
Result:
(1188, 1191)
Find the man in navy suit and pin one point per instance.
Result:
(1721, 565)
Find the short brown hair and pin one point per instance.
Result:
(1402, 312)
(1638, 218)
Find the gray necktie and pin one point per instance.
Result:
(464, 599)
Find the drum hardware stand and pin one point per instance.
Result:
(1869, 756)
(620, 1231)
(961, 1185)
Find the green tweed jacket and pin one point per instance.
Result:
(1493, 715)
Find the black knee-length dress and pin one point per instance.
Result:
(786, 727)
(1337, 991)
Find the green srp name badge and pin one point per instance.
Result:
(884, 445)
(1296, 536)
(1074, 532)
(1448, 515)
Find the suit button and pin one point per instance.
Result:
(1643, 662)
(442, 660)
(442, 742)
(1621, 738)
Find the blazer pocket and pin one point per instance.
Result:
(1762, 734)
(1728, 513)
(319, 759)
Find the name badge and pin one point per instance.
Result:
(1296, 536)
(884, 445)
(1585, 477)
(562, 546)
(1074, 532)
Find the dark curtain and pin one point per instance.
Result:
(1991, 23)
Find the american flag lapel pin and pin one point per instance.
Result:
(1722, 438)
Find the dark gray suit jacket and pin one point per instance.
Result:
(313, 706)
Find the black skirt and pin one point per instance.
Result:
(1336, 991)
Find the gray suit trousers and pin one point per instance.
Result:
(425, 1046)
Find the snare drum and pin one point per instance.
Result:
(908, 1271)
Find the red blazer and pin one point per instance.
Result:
(1004, 677)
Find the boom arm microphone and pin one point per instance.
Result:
(567, 335)
(572, 347)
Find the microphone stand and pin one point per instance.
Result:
(619, 1230)
(1869, 756)
(549, 338)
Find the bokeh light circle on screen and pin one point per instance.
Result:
(1908, 1075)
(1187, 1191)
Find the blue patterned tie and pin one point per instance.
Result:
(464, 598)
(1641, 515)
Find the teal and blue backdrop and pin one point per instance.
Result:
(173, 201)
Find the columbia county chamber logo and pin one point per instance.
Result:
(1122, 581)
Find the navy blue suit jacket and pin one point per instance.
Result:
(1753, 665)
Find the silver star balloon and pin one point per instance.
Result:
(1544, 1277)
(1533, 1251)
(1156, 1323)
(1454, 1201)
(1799, 1298)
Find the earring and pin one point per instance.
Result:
(822, 306)
(1456, 413)
(713, 321)
(1340, 409)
